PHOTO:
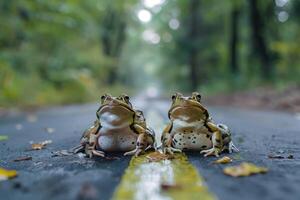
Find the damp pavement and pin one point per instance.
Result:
(257, 134)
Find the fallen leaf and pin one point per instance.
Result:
(3, 137)
(22, 158)
(7, 174)
(168, 186)
(37, 146)
(223, 160)
(49, 130)
(244, 169)
(275, 156)
(157, 156)
(41, 145)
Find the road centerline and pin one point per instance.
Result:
(167, 179)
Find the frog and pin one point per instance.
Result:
(192, 128)
(118, 128)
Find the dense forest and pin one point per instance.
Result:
(58, 52)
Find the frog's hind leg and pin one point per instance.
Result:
(216, 141)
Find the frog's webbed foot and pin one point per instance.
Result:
(170, 150)
(211, 152)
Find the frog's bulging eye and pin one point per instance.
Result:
(198, 96)
(173, 97)
(103, 97)
(126, 97)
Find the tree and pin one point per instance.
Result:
(193, 36)
(113, 26)
(259, 47)
(234, 38)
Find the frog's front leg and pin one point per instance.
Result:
(88, 141)
(217, 141)
(144, 141)
(90, 148)
(166, 140)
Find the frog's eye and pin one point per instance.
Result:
(103, 97)
(173, 97)
(126, 97)
(198, 96)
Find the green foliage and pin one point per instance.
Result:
(58, 52)
(51, 51)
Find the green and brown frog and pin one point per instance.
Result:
(118, 128)
(191, 128)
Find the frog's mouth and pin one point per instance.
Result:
(117, 104)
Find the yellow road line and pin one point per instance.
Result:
(163, 180)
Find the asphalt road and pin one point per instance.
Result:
(256, 133)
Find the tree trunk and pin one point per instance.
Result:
(233, 63)
(113, 37)
(259, 43)
(192, 60)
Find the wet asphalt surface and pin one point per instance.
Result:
(256, 133)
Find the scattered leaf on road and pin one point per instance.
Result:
(244, 169)
(168, 186)
(275, 156)
(3, 137)
(41, 145)
(22, 158)
(37, 146)
(7, 174)
(223, 160)
(157, 156)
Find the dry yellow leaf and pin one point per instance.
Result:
(41, 145)
(244, 169)
(7, 174)
(157, 156)
(3, 137)
(38, 146)
(223, 160)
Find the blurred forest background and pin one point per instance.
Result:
(72, 51)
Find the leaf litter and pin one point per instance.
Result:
(40, 145)
(223, 160)
(157, 156)
(7, 174)
(3, 137)
(244, 169)
(22, 158)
